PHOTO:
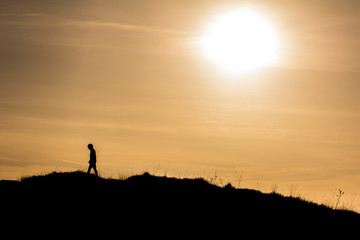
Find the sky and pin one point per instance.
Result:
(129, 77)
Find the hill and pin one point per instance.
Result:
(152, 202)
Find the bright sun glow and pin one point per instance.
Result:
(240, 41)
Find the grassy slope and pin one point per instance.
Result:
(151, 201)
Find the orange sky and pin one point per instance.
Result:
(128, 77)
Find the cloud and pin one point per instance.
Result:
(123, 26)
(41, 30)
(12, 161)
(73, 162)
(27, 15)
(40, 19)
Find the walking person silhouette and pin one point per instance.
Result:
(92, 161)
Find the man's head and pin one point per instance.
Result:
(90, 146)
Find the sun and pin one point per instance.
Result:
(240, 41)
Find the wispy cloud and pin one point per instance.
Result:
(45, 30)
(123, 26)
(4, 15)
(40, 19)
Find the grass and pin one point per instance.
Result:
(238, 179)
(214, 181)
(202, 205)
(292, 190)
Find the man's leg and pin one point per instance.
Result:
(94, 166)
(89, 169)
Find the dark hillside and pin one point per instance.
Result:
(161, 202)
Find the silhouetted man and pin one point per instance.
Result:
(92, 161)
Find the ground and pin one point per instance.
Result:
(153, 203)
